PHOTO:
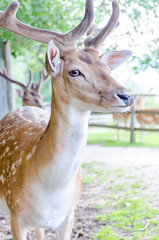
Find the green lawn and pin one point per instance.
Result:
(129, 210)
(127, 204)
(107, 136)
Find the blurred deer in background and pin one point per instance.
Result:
(30, 93)
(40, 155)
(118, 118)
(146, 118)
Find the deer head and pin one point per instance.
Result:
(30, 93)
(85, 75)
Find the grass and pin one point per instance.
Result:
(106, 137)
(126, 210)
(130, 217)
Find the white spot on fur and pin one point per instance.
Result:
(31, 153)
(28, 156)
(2, 179)
(7, 149)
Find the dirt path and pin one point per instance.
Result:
(141, 161)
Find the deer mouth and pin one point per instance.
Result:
(120, 109)
(119, 103)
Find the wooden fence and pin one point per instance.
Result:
(132, 127)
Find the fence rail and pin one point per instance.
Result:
(132, 127)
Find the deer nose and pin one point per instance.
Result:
(126, 98)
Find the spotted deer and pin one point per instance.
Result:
(146, 118)
(40, 154)
(117, 118)
(30, 93)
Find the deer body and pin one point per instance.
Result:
(40, 155)
(56, 176)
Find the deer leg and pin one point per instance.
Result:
(39, 233)
(64, 232)
(142, 133)
(19, 232)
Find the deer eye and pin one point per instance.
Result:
(33, 94)
(74, 73)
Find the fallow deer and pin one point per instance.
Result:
(31, 92)
(40, 155)
(117, 118)
(146, 118)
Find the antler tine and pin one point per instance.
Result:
(99, 35)
(9, 21)
(4, 75)
(30, 79)
(43, 75)
(85, 24)
(41, 80)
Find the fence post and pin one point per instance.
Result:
(132, 127)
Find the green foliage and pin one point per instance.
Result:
(148, 60)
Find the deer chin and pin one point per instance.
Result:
(119, 109)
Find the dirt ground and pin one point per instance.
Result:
(141, 161)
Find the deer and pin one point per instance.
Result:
(30, 93)
(146, 118)
(117, 119)
(40, 153)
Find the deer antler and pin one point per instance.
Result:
(42, 79)
(30, 79)
(43, 76)
(96, 36)
(9, 21)
(4, 75)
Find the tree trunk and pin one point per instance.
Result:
(7, 60)
(6, 97)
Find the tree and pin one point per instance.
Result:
(6, 96)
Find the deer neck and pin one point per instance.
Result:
(61, 146)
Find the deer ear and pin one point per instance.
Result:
(20, 93)
(115, 58)
(52, 62)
